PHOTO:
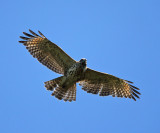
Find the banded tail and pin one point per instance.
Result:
(67, 94)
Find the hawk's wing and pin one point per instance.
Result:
(48, 53)
(96, 82)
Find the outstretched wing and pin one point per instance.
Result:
(96, 82)
(48, 53)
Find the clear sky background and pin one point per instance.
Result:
(119, 37)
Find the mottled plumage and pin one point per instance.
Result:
(64, 87)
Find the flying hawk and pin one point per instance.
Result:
(64, 87)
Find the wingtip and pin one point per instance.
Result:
(21, 41)
(134, 87)
(24, 38)
(134, 98)
(129, 81)
(26, 34)
(32, 32)
(41, 34)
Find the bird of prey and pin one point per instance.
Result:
(64, 87)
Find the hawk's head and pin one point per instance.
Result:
(83, 61)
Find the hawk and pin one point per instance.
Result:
(64, 87)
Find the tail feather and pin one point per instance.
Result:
(70, 95)
(58, 93)
(52, 84)
(67, 94)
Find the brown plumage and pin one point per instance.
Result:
(64, 87)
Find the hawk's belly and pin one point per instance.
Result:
(73, 75)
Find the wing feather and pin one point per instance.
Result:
(105, 84)
(46, 52)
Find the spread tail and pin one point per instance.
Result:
(67, 94)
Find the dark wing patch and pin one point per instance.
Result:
(48, 53)
(104, 84)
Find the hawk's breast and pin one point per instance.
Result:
(75, 71)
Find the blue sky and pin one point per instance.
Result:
(119, 37)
